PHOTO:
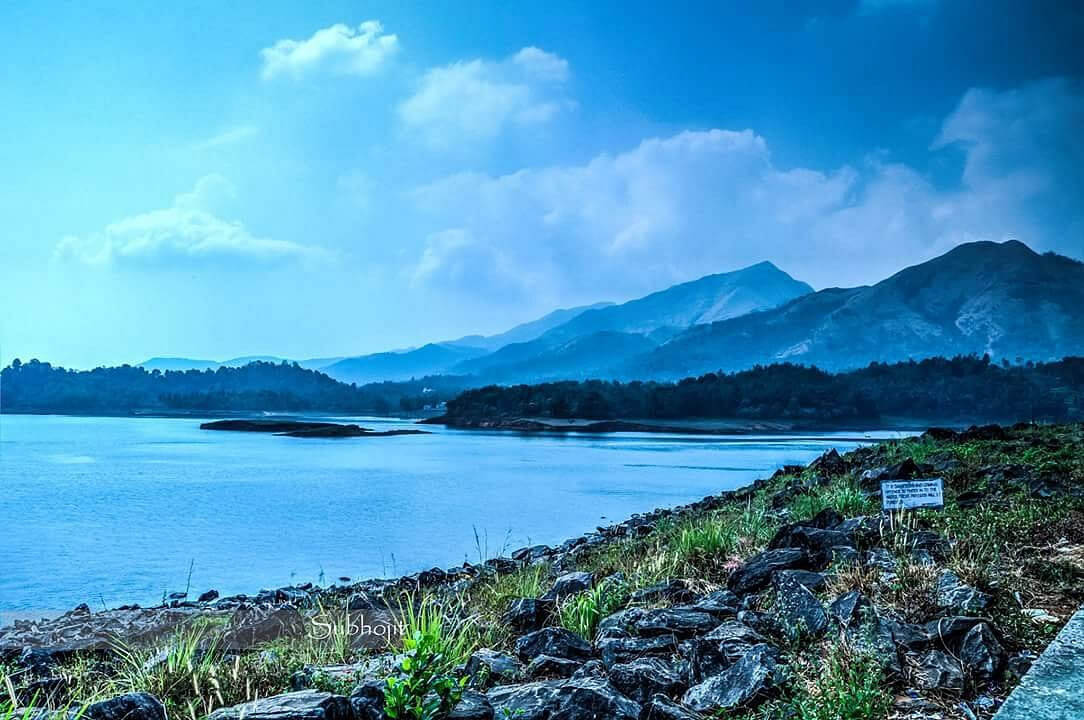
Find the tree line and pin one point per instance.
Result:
(39, 387)
(968, 388)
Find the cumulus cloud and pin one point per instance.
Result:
(189, 231)
(477, 99)
(339, 50)
(676, 208)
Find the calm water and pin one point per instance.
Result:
(116, 510)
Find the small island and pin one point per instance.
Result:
(298, 428)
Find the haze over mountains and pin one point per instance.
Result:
(984, 297)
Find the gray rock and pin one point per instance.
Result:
(722, 647)
(719, 603)
(661, 707)
(208, 596)
(133, 706)
(527, 614)
(797, 610)
(619, 650)
(488, 667)
(954, 594)
(304, 705)
(623, 620)
(671, 591)
(674, 621)
(367, 700)
(757, 570)
(851, 609)
(570, 584)
(472, 706)
(577, 699)
(815, 581)
(753, 678)
(641, 679)
(981, 654)
(556, 642)
(938, 671)
(547, 666)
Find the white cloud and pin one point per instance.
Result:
(676, 208)
(339, 50)
(189, 231)
(230, 136)
(478, 99)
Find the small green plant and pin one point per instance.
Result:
(433, 644)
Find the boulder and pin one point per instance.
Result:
(303, 705)
(619, 650)
(851, 609)
(133, 706)
(981, 653)
(472, 706)
(577, 699)
(938, 671)
(367, 700)
(954, 594)
(527, 614)
(722, 647)
(208, 596)
(672, 591)
(556, 642)
(757, 570)
(661, 707)
(641, 679)
(751, 679)
(810, 538)
(815, 581)
(547, 666)
(718, 603)
(488, 667)
(569, 584)
(796, 609)
(621, 623)
(674, 621)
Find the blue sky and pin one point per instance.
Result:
(314, 179)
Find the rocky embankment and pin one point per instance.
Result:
(792, 598)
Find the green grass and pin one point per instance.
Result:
(841, 494)
(843, 683)
(582, 612)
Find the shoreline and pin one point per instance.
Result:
(954, 604)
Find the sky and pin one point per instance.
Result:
(317, 179)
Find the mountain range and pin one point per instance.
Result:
(982, 297)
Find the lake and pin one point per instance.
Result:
(110, 511)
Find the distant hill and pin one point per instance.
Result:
(529, 330)
(709, 299)
(581, 357)
(984, 297)
(637, 325)
(431, 359)
(440, 358)
(178, 363)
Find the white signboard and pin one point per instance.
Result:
(907, 494)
